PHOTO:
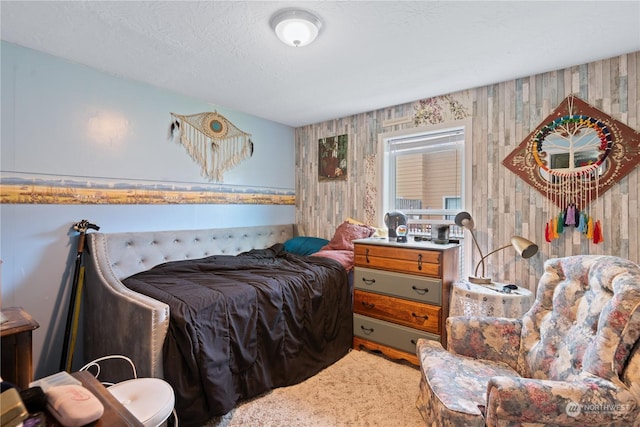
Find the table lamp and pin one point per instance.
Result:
(524, 247)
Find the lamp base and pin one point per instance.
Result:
(480, 280)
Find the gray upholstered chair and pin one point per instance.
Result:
(573, 359)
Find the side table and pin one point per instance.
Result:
(470, 299)
(17, 357)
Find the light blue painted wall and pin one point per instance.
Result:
(48, 107)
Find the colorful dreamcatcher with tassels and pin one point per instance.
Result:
(572, 153)
(573, 217)
(575, 155)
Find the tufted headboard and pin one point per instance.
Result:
(118, 320)
(131, 253)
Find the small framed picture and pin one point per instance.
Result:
(332, 158)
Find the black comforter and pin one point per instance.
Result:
(242, 325)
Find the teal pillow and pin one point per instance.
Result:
(303, 245)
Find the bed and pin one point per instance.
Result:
(254, 317)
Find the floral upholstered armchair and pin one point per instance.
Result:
(572, 360)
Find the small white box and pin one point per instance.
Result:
(73, 405)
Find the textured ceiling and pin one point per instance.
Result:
(369, 55)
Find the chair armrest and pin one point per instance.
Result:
(489, 338)
(585, 402)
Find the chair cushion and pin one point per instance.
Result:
(150, 400)
(582, 319)
(459, 382)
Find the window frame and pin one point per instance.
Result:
(382, 163)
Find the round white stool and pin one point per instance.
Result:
(150, 400)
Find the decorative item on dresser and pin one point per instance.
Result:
(401, 293)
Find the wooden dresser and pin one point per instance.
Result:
(401, 293)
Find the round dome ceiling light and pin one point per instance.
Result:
(295, 27)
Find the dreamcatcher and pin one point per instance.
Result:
(215, 143)
(574, 156)
(572, 151)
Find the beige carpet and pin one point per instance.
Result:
(361, 389)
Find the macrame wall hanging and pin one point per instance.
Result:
(215, 143)
(576, 154)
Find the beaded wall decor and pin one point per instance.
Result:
(576, 154)
(211, 140)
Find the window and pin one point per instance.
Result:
(452, 202)
(423, 175)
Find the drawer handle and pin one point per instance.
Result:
(366, 255)
(368, 282)
(367, 331)
(417, 316)
(421, 291)
(368, 305)
(419, 261)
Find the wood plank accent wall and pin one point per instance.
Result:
(503, 115)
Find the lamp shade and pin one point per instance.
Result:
(524, 247)
(296, 27)
(464, 219)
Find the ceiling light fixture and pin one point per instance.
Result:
(295, 27)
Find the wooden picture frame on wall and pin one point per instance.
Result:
(332, 158)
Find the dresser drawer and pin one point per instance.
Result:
(417, 288)
(396, 336)
(407, 313)
(416, 261)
